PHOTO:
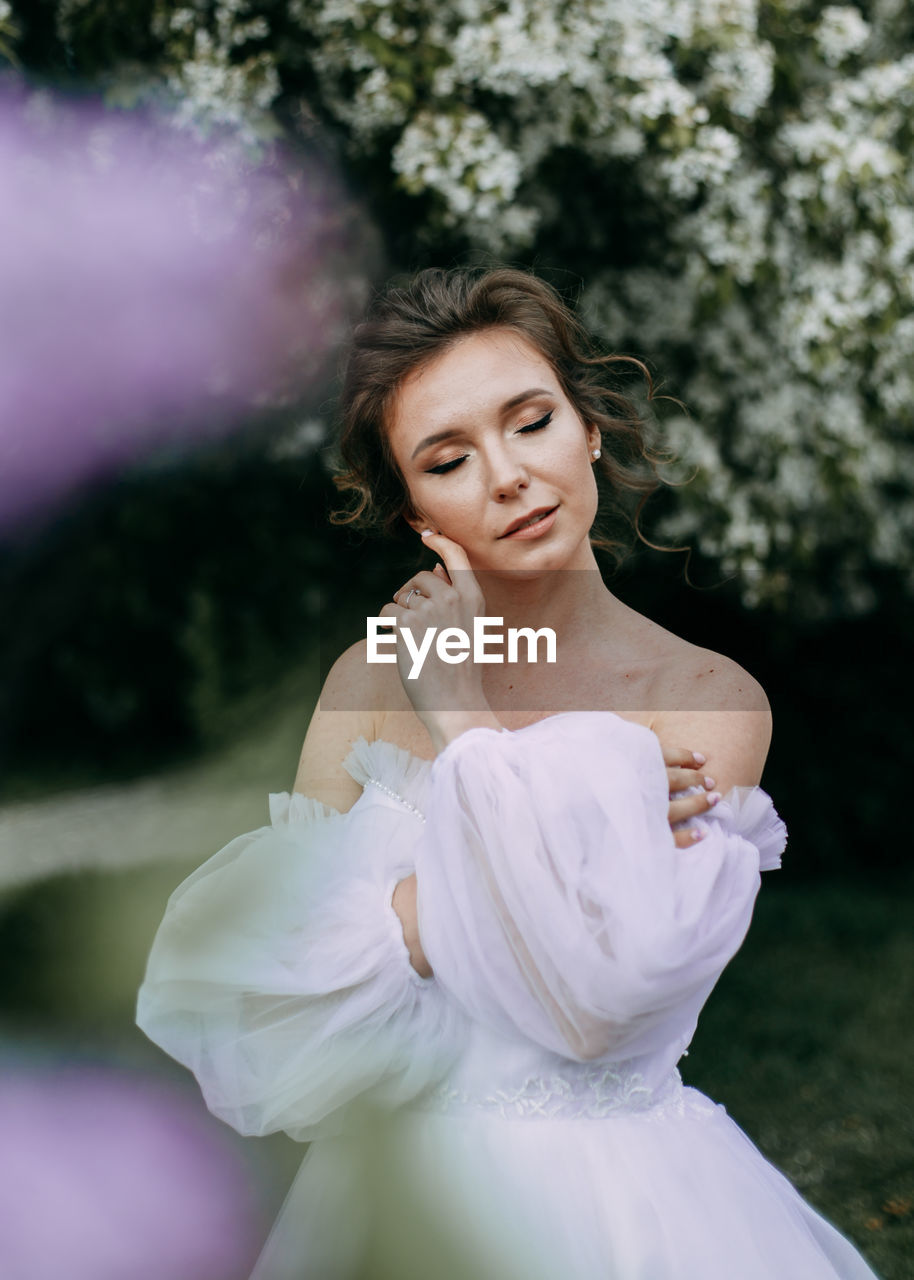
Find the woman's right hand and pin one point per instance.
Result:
(447, 696)
(685, 769)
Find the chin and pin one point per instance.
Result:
(544, 560)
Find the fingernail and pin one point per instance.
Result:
(713, 798)
(426, 533)
(709, 783)
(699, 758)
(697, 835)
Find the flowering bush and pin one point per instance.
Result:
(731, 178)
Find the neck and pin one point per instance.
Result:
(573, 602)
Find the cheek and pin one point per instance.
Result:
(446, 506)
(580, 478)
(461, 512)
(570, 458)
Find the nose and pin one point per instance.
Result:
(508, 475)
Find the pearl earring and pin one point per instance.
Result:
(596, 453)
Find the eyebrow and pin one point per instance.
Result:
(508, 405)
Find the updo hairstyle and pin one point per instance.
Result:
(409, 325)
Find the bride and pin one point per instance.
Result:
(490, 907)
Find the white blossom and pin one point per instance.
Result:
(778, 291)
(841, 32)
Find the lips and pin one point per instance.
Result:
(527, 519)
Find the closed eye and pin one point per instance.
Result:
(539, 424)
(444, 467)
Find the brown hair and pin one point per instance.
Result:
(407, 326)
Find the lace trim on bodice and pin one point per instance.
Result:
(583, 1092)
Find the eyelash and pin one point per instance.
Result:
(445, 467)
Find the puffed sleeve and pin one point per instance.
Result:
(553, 900)
(280, 977)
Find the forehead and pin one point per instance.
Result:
(473, 378)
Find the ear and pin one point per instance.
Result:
(594, 439)
(416, 521)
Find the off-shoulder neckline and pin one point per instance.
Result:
(403, 775)
(410, 760)
(557, 715)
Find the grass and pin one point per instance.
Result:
(808, 1042)
(177, 815)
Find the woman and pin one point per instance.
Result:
(472, 909)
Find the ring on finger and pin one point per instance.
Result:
(413, 591)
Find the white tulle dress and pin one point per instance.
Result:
(533, 1080)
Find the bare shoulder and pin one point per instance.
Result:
(702, 679)
(707, 702)
(355, 685)
(351, 706)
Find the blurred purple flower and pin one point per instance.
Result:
(109, 1177)
(153, 287)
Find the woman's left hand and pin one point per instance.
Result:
(683, 771)
(446, 696)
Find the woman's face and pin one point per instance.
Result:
(484, 437)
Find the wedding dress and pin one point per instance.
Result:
(532, 1082)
